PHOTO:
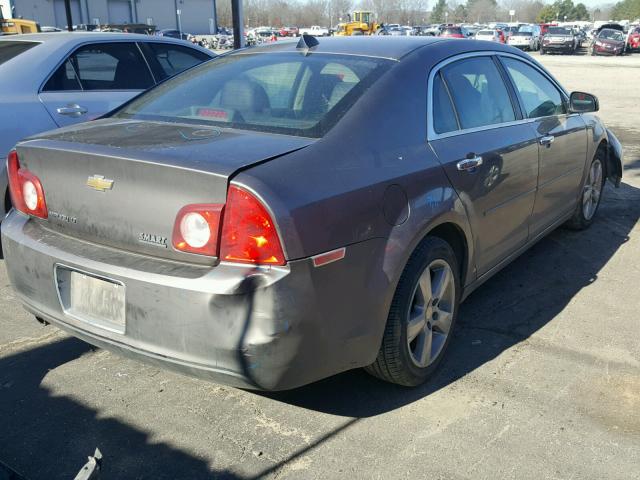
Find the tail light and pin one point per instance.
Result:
(27, 194)
(196, 229)
(248, 233)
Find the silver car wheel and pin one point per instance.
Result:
(431, 313)
(592, 190)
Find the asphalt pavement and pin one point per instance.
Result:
(542, 380)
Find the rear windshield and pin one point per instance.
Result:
(521, 34)
(452, 31)
(612, 34)
(10, 49)
(485, 32)
(287, 93)
(559, 31)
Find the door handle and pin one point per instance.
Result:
(469, 163)
(72, 110)
(547, 141)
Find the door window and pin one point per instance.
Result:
(103, 66)
(539, 96)
(173, 59)
(479, 93)
(444, 117)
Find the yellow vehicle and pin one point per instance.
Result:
(11, 26)
(360, 23)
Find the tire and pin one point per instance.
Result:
(591, 194)
(433, 319)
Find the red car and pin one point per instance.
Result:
(634, 39)
(503, 39)
(453, 32)
(289, 32)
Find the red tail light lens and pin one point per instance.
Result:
(248, 233)
(196, 229)
(27, 194)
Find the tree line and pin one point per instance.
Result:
(415, 12)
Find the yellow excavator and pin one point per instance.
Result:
(12, 26)
(360, 23)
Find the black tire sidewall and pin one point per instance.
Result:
(433, 249)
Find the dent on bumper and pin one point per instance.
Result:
(271, 328)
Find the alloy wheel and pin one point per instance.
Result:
(431, 313)
(592, 190)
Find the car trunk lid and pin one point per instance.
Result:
(122, 183)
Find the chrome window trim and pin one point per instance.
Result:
(433, 135)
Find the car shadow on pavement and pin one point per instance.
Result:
(505, 311)
(43, 435)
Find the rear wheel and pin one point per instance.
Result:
(422, 316)
(591, 195)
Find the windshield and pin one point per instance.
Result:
(612, 34)
(559, 31)
(285, 93)
(521, 34)
(10, 49)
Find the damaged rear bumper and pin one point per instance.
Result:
(259, 328)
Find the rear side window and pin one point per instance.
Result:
(285, 93)
(103, 66)
(479, 93)
(9, 49)
(444, 117)
(173, 59)
(539, 96)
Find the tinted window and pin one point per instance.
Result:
(9, 49)
(559, 31)
(479, 93)
(174, 59)
(539, 96)
(452, 31)
(444, 118)
(284, 93)
(105, 66)
(64, 78)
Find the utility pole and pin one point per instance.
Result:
(238, 23)
(67, 9)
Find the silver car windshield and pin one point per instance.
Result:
(287, 93)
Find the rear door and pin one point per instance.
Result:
(95, 79)
(488, 151)
(562, 142)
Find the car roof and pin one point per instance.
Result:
(59, 38)
(368, 46)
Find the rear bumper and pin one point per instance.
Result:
(269, 329)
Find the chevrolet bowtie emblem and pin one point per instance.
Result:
(99, 183)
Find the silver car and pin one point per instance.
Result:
(55, 80)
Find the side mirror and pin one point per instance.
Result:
(580, 102)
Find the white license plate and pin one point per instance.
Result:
(97, 301)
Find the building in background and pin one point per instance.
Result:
(194, 16)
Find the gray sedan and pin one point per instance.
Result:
(51, 80)
(289, 212)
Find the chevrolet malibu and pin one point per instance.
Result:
(297, 210)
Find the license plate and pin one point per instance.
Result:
(97, 301)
